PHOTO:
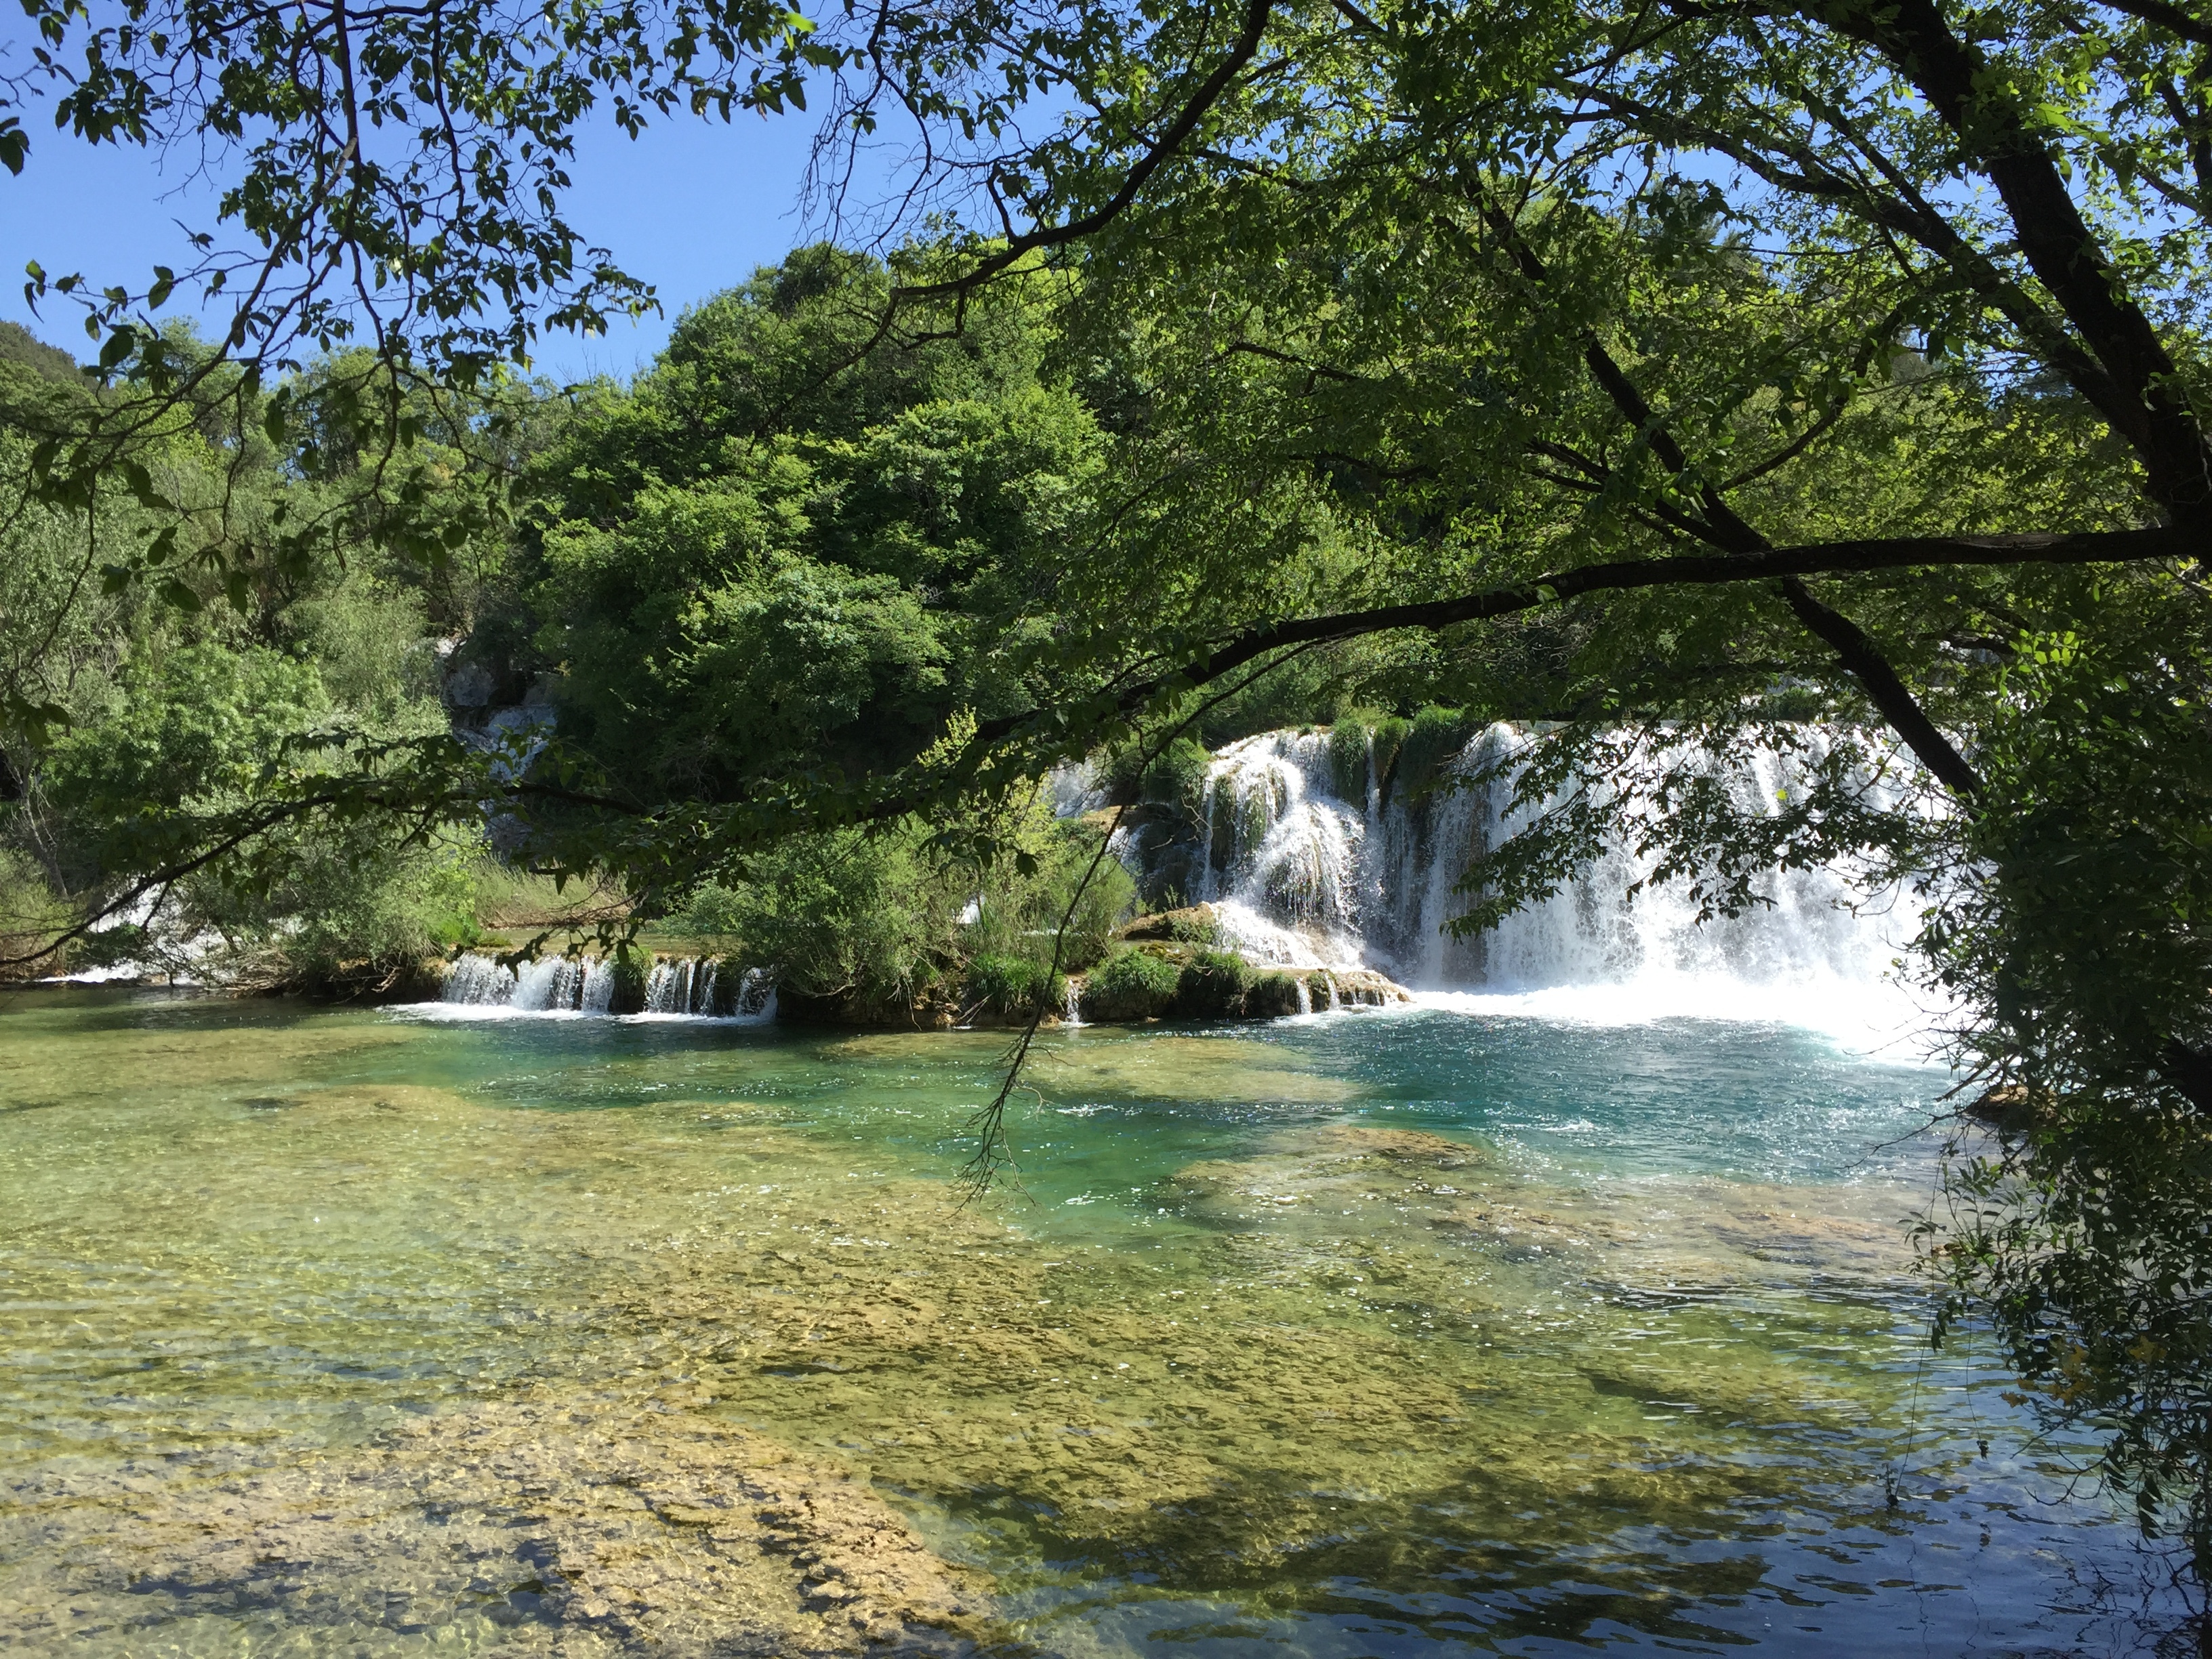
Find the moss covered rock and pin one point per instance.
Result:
(1009, 986)
(1193, 924)
(1129, 985)
(1212, 985)
(1271, 996)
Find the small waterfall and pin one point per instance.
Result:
(691, 985)
(598, 991)
(547, 985)
(668, 989)
(1071, 1012)
(1305, 996)
(1072, 788)
(1308, 863)
(699, 988)
(478, 981)
(756, 995)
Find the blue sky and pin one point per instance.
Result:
(691, 207)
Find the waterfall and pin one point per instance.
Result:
(1282, 856)
(668, 990)
(478, 981)
(697, 987)
(756, 995)
(1308, 863)
(1071, 1012)
(598, 993)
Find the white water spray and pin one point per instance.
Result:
(679, 987)
(1300, 875)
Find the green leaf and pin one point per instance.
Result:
(142, 487)
(174, 591)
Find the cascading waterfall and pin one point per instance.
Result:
(1281, 854)
(1282, 857)
(1304, 872)
(690, 987)
(477, 981)
(671, 988)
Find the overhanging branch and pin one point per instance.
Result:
(1689, 570)
(1241, 52)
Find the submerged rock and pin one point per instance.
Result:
(579, 1525)
(679, 1368)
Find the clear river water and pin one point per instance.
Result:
(1439, 1331)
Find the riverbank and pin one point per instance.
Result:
(1171, 965)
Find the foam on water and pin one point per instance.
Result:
(1881, 1019)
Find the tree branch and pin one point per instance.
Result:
(1687, 570)
(2065, 254)
(2170, 18)
(1241, 53)
(1721, 526)
(1898, 707)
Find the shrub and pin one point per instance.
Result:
(1212, 985)
(1389, 739)
(1347, 758)
(1009, 984)
(1272, 996)
(1177, 776)
(712, 911)
(1195, 925)
(1435, 740)
(842, 914)
(632, 971)
(1130, 985)
(1109, 897)
(1021, 914)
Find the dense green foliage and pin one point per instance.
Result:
(888, 924)
(161, 714)
(744, 579)
(1211, 983)
(1130, 984)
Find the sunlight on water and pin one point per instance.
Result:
(335, 1332)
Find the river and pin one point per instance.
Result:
(1436, 1331)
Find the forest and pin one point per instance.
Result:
(1673, 383)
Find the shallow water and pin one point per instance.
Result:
(1421, 1332)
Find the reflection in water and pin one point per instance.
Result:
(353, 1332)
